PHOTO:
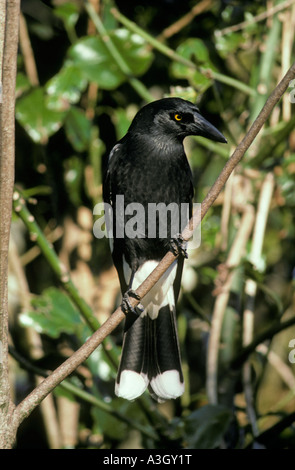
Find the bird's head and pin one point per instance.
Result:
(174, 118)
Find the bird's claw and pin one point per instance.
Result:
(126, 305)
(178, 246)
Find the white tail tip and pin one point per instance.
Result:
(131, 385)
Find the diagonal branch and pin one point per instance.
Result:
(34, 398)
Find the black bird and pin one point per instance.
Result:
(146, 167)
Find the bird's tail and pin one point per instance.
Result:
(151, 357)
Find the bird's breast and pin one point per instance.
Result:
(154, 179)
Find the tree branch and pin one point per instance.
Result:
(34, 398)
(121, 63)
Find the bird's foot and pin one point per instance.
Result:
(178, 246)
(126, 305)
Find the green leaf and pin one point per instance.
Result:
(97, 65)
(93, 59)
(133, 49)
(65, 88)
(78, 129)
(39, 121)
(22, 83)
(228, 44)
(195, 50)
(53, 314)
(205, 427)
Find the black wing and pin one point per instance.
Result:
(110, 190)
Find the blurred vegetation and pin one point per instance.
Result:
(83, 72)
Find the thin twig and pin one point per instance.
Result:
(282, 369)
(262, 16)
(118, 58)
(197, 9)
(35, 251)
(31, 337)
(28, 54)
(93, 87)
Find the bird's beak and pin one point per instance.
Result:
(206, 129)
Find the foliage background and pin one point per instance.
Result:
(74, 100)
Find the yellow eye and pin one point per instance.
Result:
(177, 117)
